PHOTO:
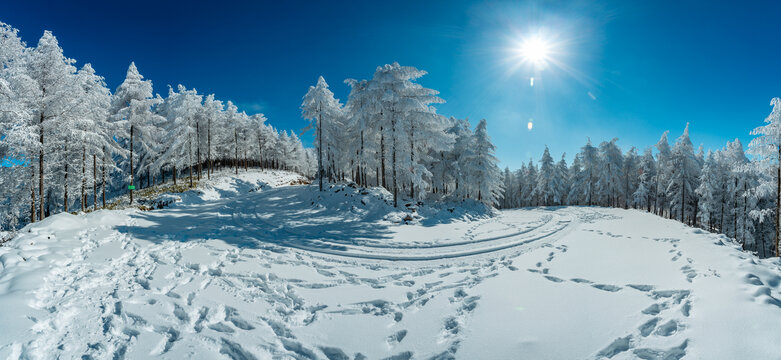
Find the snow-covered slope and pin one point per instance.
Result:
(244, 270)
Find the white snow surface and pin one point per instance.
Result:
(248, 267)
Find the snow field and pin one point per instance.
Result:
(272, 273)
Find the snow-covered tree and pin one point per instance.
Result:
(766, 148)
(610, 174)
(181, 111)
(585, 180)
(321, 108)
(213, 113)
(481, 169)
(710, 191)
(561, 180)
(545, 184)
(682, 182)
(132, 111)
(93, 132)
(52, 74)
(19, 130)
(645, 194)
(663, 170)
(630, 176)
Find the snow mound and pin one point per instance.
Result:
(372, 204)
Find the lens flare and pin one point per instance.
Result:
(530, 125)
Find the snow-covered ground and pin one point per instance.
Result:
(251, 268)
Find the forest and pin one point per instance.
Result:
(66, 141)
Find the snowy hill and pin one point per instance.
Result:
(254, 268)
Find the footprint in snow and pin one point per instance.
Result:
(581, 281)
(667, 329)
(674, 353)
(397, 337)
(653, 309)
(616, 347)
(606, 287)
(643, 288)
(648, 327)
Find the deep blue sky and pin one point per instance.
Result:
(650, 66)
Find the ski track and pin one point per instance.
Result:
(551, 226)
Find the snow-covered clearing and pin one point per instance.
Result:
(245, 270)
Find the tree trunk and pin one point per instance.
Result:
(721, 222)
(382, 157)
(778, 194)
(395, 182)
(362, 164)
(190, 155)
(32, 195)
(198, 148)
(320, 147)
(735, 206)
(131, 163)
(103, 175)
(83, 177)
(65, 200)
(209, 149)
(412, 159)
(683, 198)
(40, 172)
(260, 152)
(94, 182)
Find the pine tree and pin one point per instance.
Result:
(585, 180)
(19, 129)
(629, 174)
(52, 74)
(683, 177)
(610, 173)
(645, 194)
(663, 170)
(132, 111)
(181, 110)
(710, 190)
(767, 149)
(561, 181)
(321, 108)
(484, 175)
(545, 186)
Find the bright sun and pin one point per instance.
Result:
(535, 51)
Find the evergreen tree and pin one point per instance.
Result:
(609, 174)
(132, 111)
(645, 194)
(545, 185)
(683, 178)
(321, 108)
(481, 168)
(629, 174)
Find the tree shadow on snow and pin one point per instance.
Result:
(282, 216)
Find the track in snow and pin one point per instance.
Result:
(251, 213)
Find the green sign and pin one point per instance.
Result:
(131, 187)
